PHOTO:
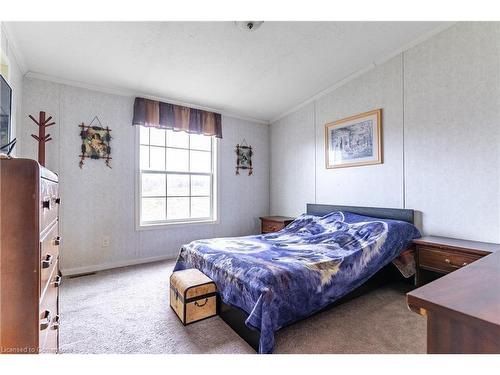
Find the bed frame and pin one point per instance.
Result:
(235, 317)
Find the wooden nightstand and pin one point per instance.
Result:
(442, 255)
(271, 224)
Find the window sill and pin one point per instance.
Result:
(141, 227)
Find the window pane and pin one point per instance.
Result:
(177, 160)
(200, 142)
(144, 157)
(201, 161)
(177, 208)
(177, 139)
(153, 184)
(200, 185)
(157, 137)
(157, 158)
(144, 135)
(200, 207)
(175, 196)
(153, 209)
(177, 184)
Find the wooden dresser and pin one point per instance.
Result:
(29, 253)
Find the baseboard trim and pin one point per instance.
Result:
(108, 266)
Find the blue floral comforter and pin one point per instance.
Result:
(282, 277)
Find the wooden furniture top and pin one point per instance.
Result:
(278, 219)
(471, 293)
(454, 243)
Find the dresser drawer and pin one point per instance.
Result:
(442, 260)
(271, 226)
(49, 253)
(49, 320)
(49, 203)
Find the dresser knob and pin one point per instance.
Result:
(55, 323)
(57, 240)
(57, 282)
(46, 204)
(47, 261)
(45, 320)
(455, 265)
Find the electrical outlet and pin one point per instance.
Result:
(105, 241)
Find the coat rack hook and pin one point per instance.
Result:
(42, 138)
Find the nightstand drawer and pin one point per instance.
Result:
(271, 226)
(443, 260)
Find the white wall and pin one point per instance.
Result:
(15, 81)
(292, 162)
(452, 131)
(441, 138)
(98, 201)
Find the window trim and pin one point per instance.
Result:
(139, 226)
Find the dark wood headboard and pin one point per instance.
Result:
(379, 212)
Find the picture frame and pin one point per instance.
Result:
(354, 141)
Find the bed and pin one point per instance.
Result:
(267, 282)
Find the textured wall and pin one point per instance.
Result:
(98, 201)
(441, 137)
(452, 131)
(292, 162)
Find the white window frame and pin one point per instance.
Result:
(214, 204)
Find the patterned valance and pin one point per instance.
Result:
(153, 113)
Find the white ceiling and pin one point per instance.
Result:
(259, 74)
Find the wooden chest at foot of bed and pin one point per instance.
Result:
(193, 296)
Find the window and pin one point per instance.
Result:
(177, 177)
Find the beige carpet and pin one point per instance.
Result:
(126, 310)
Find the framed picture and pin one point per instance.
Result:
(354, 141)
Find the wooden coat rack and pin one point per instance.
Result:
(41, 137)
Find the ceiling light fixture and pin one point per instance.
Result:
(248, 25)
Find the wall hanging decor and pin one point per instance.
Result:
(95, 142)
(354, 141)
(244, 157)
(42, 138)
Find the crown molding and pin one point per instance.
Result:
(129, 92)
(362, 71)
